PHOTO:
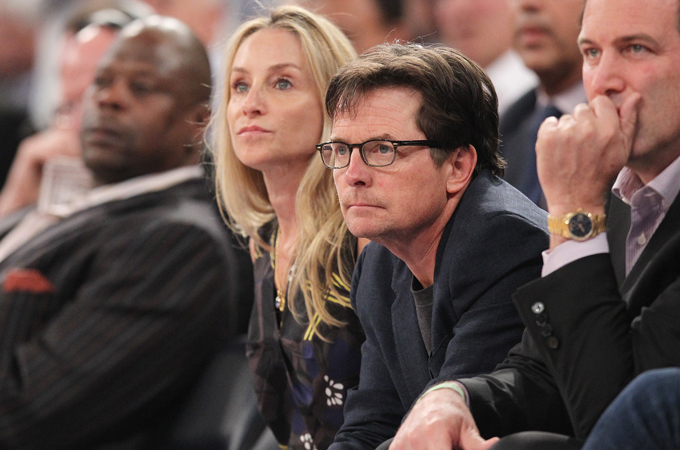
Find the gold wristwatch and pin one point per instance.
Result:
(579, 225)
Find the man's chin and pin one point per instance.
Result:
(107, 171)
(364, 228)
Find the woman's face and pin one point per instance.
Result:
(275, 115)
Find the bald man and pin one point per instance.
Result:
(110, 305)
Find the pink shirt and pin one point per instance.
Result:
(649, 205)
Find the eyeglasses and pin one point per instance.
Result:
(375, 153)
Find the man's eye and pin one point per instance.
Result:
(283, 84)
(384, 149)
(141, 88)
(341, 150)
(637, 48)
(591, 53)
(101, 81)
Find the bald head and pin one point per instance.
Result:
(146, 110)
(172, 47)
(204, 17)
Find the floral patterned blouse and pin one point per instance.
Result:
(301, 380)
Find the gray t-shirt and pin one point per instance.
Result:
(423, 299)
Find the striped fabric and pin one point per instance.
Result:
(135, 300)
(649, 205)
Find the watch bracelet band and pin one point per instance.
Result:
(559, 225)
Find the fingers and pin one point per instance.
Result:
(427, 441)
(629, 116)
(479, 444)
(579, 155)
(436, 422)
(471, 440)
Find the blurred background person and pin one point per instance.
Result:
(87, 38)
(365, 22)
(204, 17)
(483, 31)
(211, 20)
(304, 339)
(419, 17)
(545, 33)
(17, 47)
(57, 19)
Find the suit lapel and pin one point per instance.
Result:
(94, 217)
(444, 315)
(618, 224)
(657, 266)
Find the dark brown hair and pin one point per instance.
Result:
(459, 109)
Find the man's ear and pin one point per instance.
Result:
(462, 163)
(197, 117)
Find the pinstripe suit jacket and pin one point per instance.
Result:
(106, 318)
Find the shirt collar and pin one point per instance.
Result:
(566, 100)
(126, 189)
(665, 184)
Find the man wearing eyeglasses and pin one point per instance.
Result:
(414, 149)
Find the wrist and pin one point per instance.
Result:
(579, 225)
(449, 385)
(560, 209)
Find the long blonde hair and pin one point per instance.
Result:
(241, 192)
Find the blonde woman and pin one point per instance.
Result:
(304, 339)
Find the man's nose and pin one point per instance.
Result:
(606, 77)
(114, 95)
(357, 172)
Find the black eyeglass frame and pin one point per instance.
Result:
(395, 145)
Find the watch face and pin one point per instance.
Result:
(580, 225)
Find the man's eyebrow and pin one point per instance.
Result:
(622, 40)
(640, 37)
(583, 40)
(380, 137)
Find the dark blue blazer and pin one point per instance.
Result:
(490, 246)
(518, 141)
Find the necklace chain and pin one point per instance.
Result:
(281, 294)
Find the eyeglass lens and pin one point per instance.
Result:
(375, 153)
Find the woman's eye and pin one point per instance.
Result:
(283, 84)
(240, 87)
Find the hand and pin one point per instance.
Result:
(23, 181)
(440, 421)
(579, 156)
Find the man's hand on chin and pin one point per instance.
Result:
(440, 421)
